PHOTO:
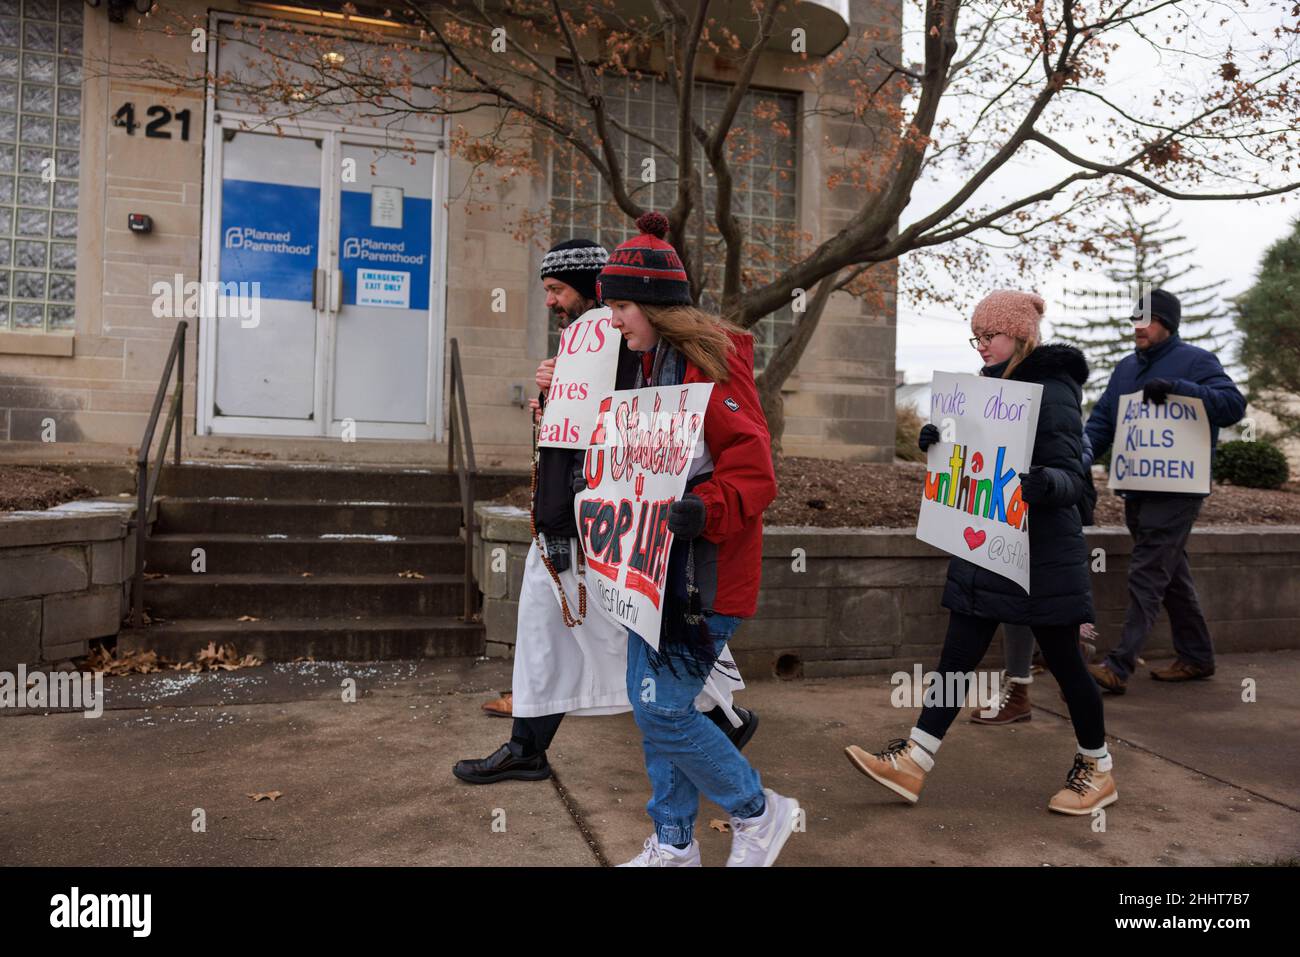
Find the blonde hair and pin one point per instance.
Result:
(1023, 348)
(701, 337)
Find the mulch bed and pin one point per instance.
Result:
(24, 489)
(831, 494)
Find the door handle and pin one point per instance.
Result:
(317, 289)
(336, 291)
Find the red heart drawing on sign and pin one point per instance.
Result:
(973, 538)
(640, 484)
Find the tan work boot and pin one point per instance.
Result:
(895, 767)
(1012, 704)
(1086, 789)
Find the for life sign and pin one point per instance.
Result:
(584, 374)
(971, 506)
(382, 287)
(636, 467)
(1161, 448)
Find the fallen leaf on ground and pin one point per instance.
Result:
(721, 826)
(265, 795)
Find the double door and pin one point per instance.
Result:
(325, 247)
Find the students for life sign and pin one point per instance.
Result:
(636, 467)
(971, 506)
(584, 374)
(1161, 448)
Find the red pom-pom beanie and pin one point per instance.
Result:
(645, 268)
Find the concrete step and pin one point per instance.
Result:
(350, 597)
(327, 483)
(246, 553)
(299, 517)
(371, 639)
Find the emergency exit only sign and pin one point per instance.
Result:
(382, 287)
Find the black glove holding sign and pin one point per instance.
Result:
(1156, 391)
(929, 436)
(687, 517)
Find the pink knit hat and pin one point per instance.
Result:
(1008, 311)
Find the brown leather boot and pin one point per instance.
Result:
(1106, 679)
(1012, 704)
(1182, 671)
(502, 707)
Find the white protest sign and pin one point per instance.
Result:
(971, 506)
(584, 374)
(636, 467)
(1161, 448)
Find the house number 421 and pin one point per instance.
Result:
(157, 126)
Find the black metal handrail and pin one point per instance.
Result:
(146, 483)
(461, 461)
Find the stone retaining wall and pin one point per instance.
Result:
(867, 600)
(64, 579)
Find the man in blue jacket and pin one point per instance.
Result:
(1160, 522)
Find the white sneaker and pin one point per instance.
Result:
(655, 854)
(756, 841)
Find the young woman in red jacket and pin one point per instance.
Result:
(714, 564)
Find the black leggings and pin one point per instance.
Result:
(964, 648)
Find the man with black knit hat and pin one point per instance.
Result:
(566, 664)
(1160, 522)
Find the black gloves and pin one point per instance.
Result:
(929, 436)
(686, 517)
(557, 550)
(1034, 485)
(1157, 390)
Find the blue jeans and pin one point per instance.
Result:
(685, 752)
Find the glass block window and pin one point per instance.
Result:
(762, 152)
(40, 140)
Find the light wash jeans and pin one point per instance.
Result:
(685, 752)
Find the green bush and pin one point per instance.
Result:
(1255, 464)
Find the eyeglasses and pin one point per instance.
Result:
(986, 340)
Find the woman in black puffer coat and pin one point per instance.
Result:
(1006, 327)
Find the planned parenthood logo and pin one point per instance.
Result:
(265, 241)
(377, 251)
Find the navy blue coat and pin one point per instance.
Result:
(1194, 372)
(1060, 591)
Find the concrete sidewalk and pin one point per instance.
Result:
(1204, 777)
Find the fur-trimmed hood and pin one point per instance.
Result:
(1049, 360)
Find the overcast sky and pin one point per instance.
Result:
(1228, 238)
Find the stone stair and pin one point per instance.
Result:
(313, 555)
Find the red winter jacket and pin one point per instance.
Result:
(743, 483)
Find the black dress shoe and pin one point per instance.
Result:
(738, 736)
(502, 765)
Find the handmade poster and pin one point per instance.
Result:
(636, 467)
(584, 374)
(971, 506)
(1161, 448)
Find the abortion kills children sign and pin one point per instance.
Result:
(636, 467)
(1161, 448)
(584, 374)
(971, 506)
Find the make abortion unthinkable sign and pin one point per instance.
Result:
(971, 506)
(584, 374)
(1161, 448)
(636, 467)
